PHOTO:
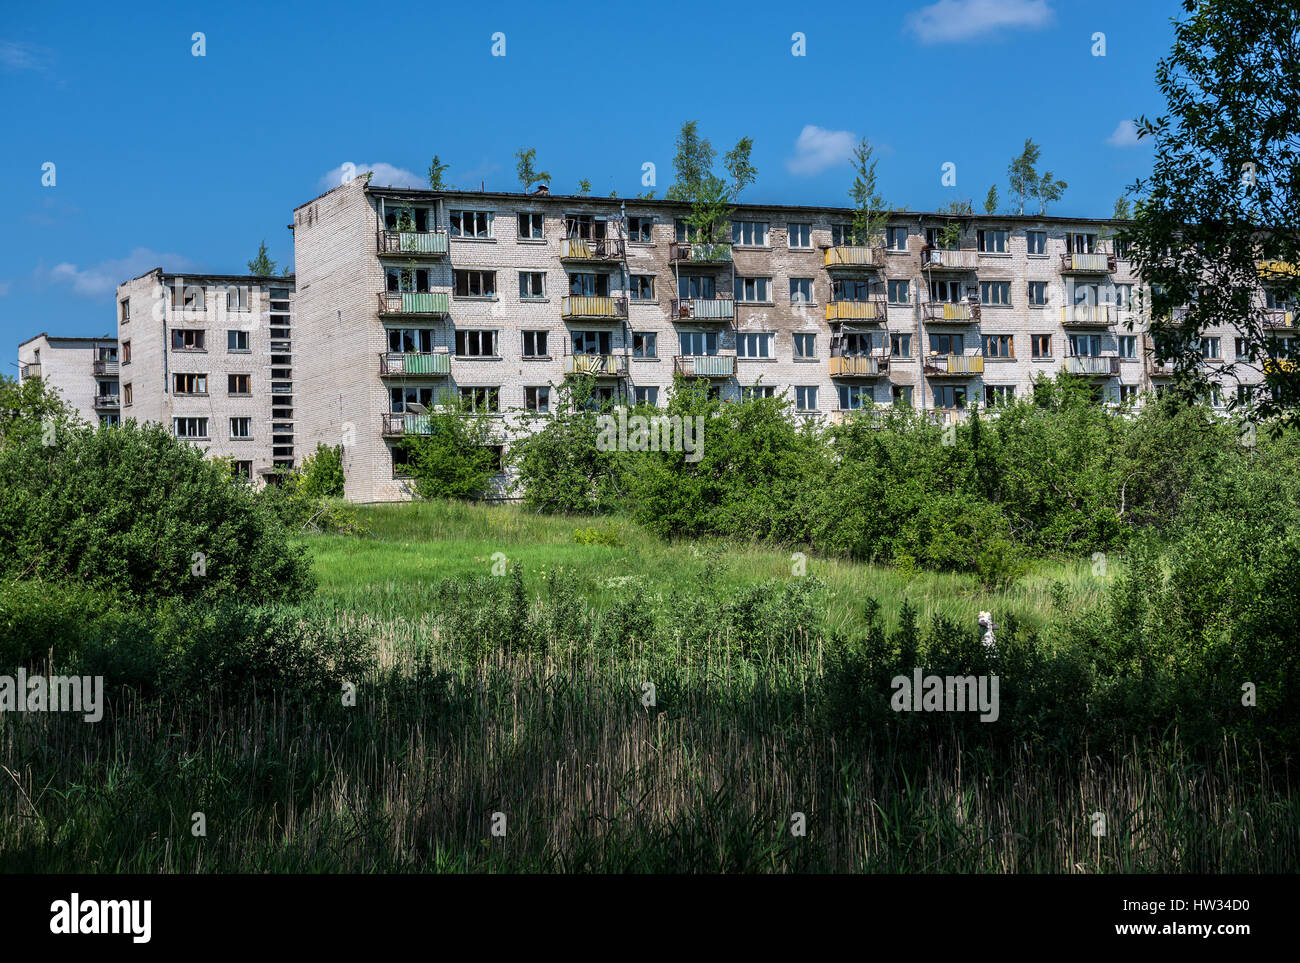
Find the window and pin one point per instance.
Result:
(406, 341)
(950, 397)
(845, 290)
(750, 392)
(124, 311)
(842, 236)
(532, 285)
(749, 233)
(1081, 243)
(1085, 345)
(537, 399)
(187, 339)
(1040, 345)
(995, 292)
(1241, 347)
(1037, 291)
(1128, 345)
(853, 397)
(401, 398)
(404, 279)
(126, 352)
(188, 298)
(236, 340)
(900, 292)
(755, 345)
(239, 384)
(1124, 296)
(998, 346)
(947, 343)
(995, 395)
(800, 290)
(190, 384)
(476, 284)
(901, 395)
(896, 238)
(805, 398)
(698, 342)
(1210, 348)
(535, 344)
(949, 292)
(191, 427)
(645, 344)
(643, 287)
(900, 345)
(1036, 242)
(805, 346)
(241, 428)
(1128, 394)
(128, 396)
(992, 241)
(481, 399)
(589, 285)
(471, 224)
(696, 286)
(244, 469)
(854, 344)
(640, 230)
(531, 227)
(754, 289)
(592, 342)
(646, 395)
(472, 343)
(800, 235)
(237, 298)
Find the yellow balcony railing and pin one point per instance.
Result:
(852, 255)
(873, 310)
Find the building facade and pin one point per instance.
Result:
(83, 370)
(211, 358)
(498, 297)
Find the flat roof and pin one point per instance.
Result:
(51, 338)
(200, 276)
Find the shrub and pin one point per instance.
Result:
(456, 459)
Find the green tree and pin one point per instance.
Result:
(870, 213)
(991, 200)
(1022, 174)
(32, 408)
(525, 159)
(1048, 190)
(584, 186)
(456, 458)
(1219, 215)
(1122, 210)
(692, 162)
(436, 168)
(739, 167)
(262, 266)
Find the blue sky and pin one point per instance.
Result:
(166, 158)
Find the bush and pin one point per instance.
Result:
(455, 459)
(134, 510)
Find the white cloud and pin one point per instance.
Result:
(5, 288)
(818, 149)
(952, 21)
(1126, 135)
(385, 175)
(103, 278)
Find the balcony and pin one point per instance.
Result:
(1087, 263)
(29, 371)
(414, 363)
(1277, 269)
(397, 425)
(951, 312)
(1278, 319)
(108, 401)
(1092, 366)
(105, 367)
(414, 244)
(596, 365)
(705, 365)
(418, 303)
(700, 252)
(592, 307)
(1285, 365)
(937, 259)
(872, 309)
(854, 257)
(704, 309)
(592, 249)
(859, 365)
(953, 365)
(1088, 316)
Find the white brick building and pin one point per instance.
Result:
(83, 370)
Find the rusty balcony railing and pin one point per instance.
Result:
(704, 309)
(105, 366)
(953, 365)
(414, 302)
(108, 401)
(412, 363)
(1087, 263)
(859, 365)
(952, 312)
(854, 256)
(596, 365)
(591, 249)
(868, 309)
(592, 306)
(1085, 315)
(413, 243)
(701, 252)
(938, 259)
(1093, 366)
(397, 424)
(705, 365)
